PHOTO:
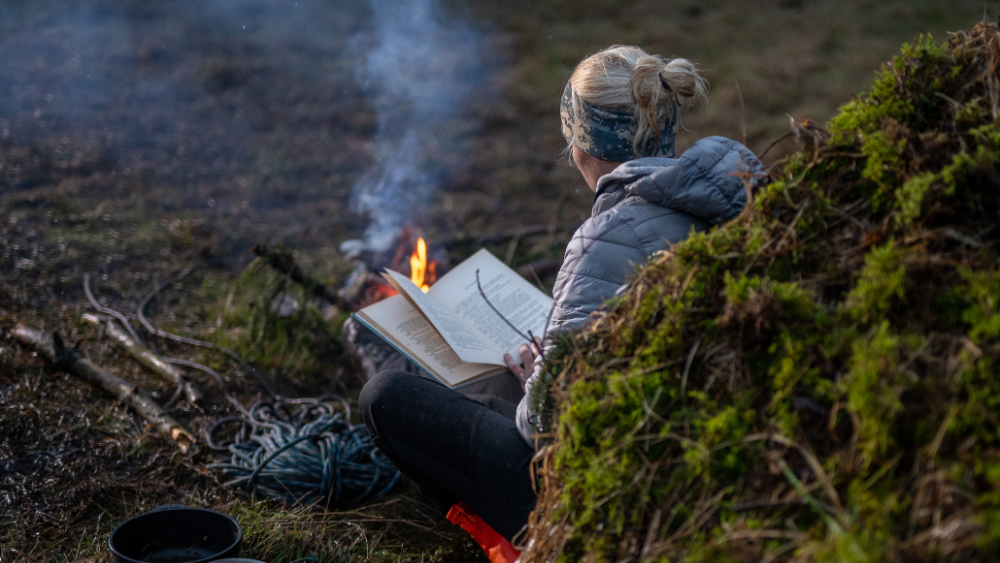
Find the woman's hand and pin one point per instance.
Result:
(523, 370)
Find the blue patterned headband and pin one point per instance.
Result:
(608, 134)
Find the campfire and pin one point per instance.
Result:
(411, 255)
(421, 273)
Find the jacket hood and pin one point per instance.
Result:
(708, 181)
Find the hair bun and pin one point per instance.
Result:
(645, 82)
(681, 77)
(663, 82)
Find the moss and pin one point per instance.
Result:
(881, 283)
(983, 315)
(823, 364)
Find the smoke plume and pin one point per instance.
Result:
(420, 74)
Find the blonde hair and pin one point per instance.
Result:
(627, 78)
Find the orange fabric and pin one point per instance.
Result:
(497, 548)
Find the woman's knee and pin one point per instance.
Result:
(380, 387)
(382, 393)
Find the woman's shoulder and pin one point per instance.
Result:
(630, 229)
(709, 180)
(613, 225)
(718, 154)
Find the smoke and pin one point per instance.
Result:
(266, 116)
(420, 74)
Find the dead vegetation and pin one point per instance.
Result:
(816, 380)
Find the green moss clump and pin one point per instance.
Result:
(816, 380)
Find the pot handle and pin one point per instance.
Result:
(167, 507)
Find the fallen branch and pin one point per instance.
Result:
(149, 359)
(284, 263)
(50, 346)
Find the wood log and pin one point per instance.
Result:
(50, 346)
(284, 263)
(149, 359)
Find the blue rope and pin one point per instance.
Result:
(309, 453)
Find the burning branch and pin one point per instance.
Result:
(51, 347)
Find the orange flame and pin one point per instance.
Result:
(418, 266)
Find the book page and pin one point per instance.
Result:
(521, 303)
(467, 345)
(409, 331)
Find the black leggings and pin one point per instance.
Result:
(454, 447)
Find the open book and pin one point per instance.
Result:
(451, 331)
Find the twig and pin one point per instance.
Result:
(942, 430)
(766, 503)
(816, 467)
(511, 248)
(499, 314)
(834, 526)
(50, 345)
(654, 529)
(192, 341)
(758, 535)
(149, 359)
(215, 375)
(101, 309)
(284, 263)
(771, 146)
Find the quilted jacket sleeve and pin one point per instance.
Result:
(597, 261)
(602, 253)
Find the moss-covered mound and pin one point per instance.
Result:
(817, 380)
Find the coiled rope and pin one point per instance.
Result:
(304, 451)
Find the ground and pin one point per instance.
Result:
(138, 138)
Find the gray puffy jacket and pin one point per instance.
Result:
(642, 207)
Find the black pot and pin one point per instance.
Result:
(174, 533)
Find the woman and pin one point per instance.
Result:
(620, 113)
